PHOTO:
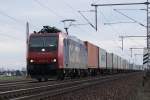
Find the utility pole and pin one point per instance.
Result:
(27, 32)
(148, 35)
(122, 42)
(96, 17)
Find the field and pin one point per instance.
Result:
(7, 78)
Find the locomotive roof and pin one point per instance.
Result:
(46, 34)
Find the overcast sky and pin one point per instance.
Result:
(15, 13)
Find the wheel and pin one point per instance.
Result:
(60, 75)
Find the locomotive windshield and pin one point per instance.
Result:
(43, 42)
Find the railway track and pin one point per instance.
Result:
(46, 91)
(20, 85)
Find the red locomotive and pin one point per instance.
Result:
(45, 54)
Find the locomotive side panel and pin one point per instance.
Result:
(77, 57)
(61, 51)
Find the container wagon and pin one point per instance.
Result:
(115, 62)
(109, 64)
(102, 61)
(92, 58)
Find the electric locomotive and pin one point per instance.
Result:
(45, 53)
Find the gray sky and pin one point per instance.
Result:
(15, 13)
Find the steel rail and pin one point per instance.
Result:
(24, 85)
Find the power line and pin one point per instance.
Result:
(15, 20)
(134, 21)
(69, 6)
(50, 10)
(114, 29)
(129, 18)
(10, 17)
(111, 27)
(8, 36)
(78, 13)
(95, 1)
(22, 23)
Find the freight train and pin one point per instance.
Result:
(51, 52)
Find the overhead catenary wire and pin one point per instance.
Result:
(116, 32)
(15, 20)
(120, 22)
(129, 17)
(78, 13)
(10, 17)
(95, 1)
(9, 36)
(132, 9)
(77, 25)
(51, 11)
(69, 6)
(20, 22)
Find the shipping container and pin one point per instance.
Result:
(131, 66)
(115, 61)
(102, 58)
(109, 61)
(93, 55)
(127, 66)
(75, 53)
(124, 64)
(119, 62)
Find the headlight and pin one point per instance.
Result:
(54, 60)
(43, 50)
(31, 61)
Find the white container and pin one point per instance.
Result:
(102, 58)
(109, 61)
(127, 65)
(115, 61)
(131, 66)
(119, 62)
(76, 54)
(124, 64)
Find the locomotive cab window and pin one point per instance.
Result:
(50, 43)
(36, 42)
